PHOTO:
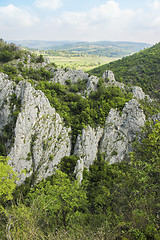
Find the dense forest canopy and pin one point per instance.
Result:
(141, 69)
(118, 201)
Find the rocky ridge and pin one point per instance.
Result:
(40, 138)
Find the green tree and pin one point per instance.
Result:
(7, 186)
(7, 180)
(58, 199)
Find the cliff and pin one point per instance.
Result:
(36, 137)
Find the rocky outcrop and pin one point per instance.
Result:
(62, 76)
(86, 148)
(108, 76)
(138, 93)
(40, 137)
(110, 80)
(120, 131)
(114, 141)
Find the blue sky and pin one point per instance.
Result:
(83, 20)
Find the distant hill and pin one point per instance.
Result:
(142, 69)
(101, 48)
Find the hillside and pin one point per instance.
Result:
(79, 155)
(101, 48)
(141, 69)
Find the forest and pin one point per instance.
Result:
(140, 69)
(119, 201)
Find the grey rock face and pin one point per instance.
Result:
(138, 93)
(61, 76)
(6, 89)
(120, 131)
(110, 80)
(86, 148)
(92, 84)
(41, 139)
(114, 141)
(108, 76)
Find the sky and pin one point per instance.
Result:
(80, 20)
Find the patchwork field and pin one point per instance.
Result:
(86, 62)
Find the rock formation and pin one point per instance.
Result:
(39, 138)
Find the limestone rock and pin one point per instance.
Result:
(86, 148)
(91, 84)
(110, 80)
(138, 93)
(61, 76)
(155, 118)
(120, 131)
(6, 89)
(40, 137)
(108, 76)
(114, 141)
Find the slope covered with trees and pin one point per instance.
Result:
(141, 69)
(119, 201)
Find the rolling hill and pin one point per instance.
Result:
(142, 69)
(100, 48)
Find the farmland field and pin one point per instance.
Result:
(85, 62)
(82, 55)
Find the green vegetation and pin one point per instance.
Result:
(68, 164)
(140, 69)
(113, 202)
(118, 201)
(78, 111)
(82, 55)
(76, 60)
(7, 181)
(8, 52)
(101, 48)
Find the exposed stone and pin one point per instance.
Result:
(92, 84)
(120, 131)
(138, 93)
(108, 76)
(86, 148)
(110, 80)
(41, 139)
(114, 141)
(61, 76)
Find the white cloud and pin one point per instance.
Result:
(11, 16)
(16, 23)
(108, 21)
(105, 21)
(49, 4)
(155, 5)
(111, 22)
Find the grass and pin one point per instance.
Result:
(85, 62)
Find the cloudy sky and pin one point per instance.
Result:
(83, 20)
